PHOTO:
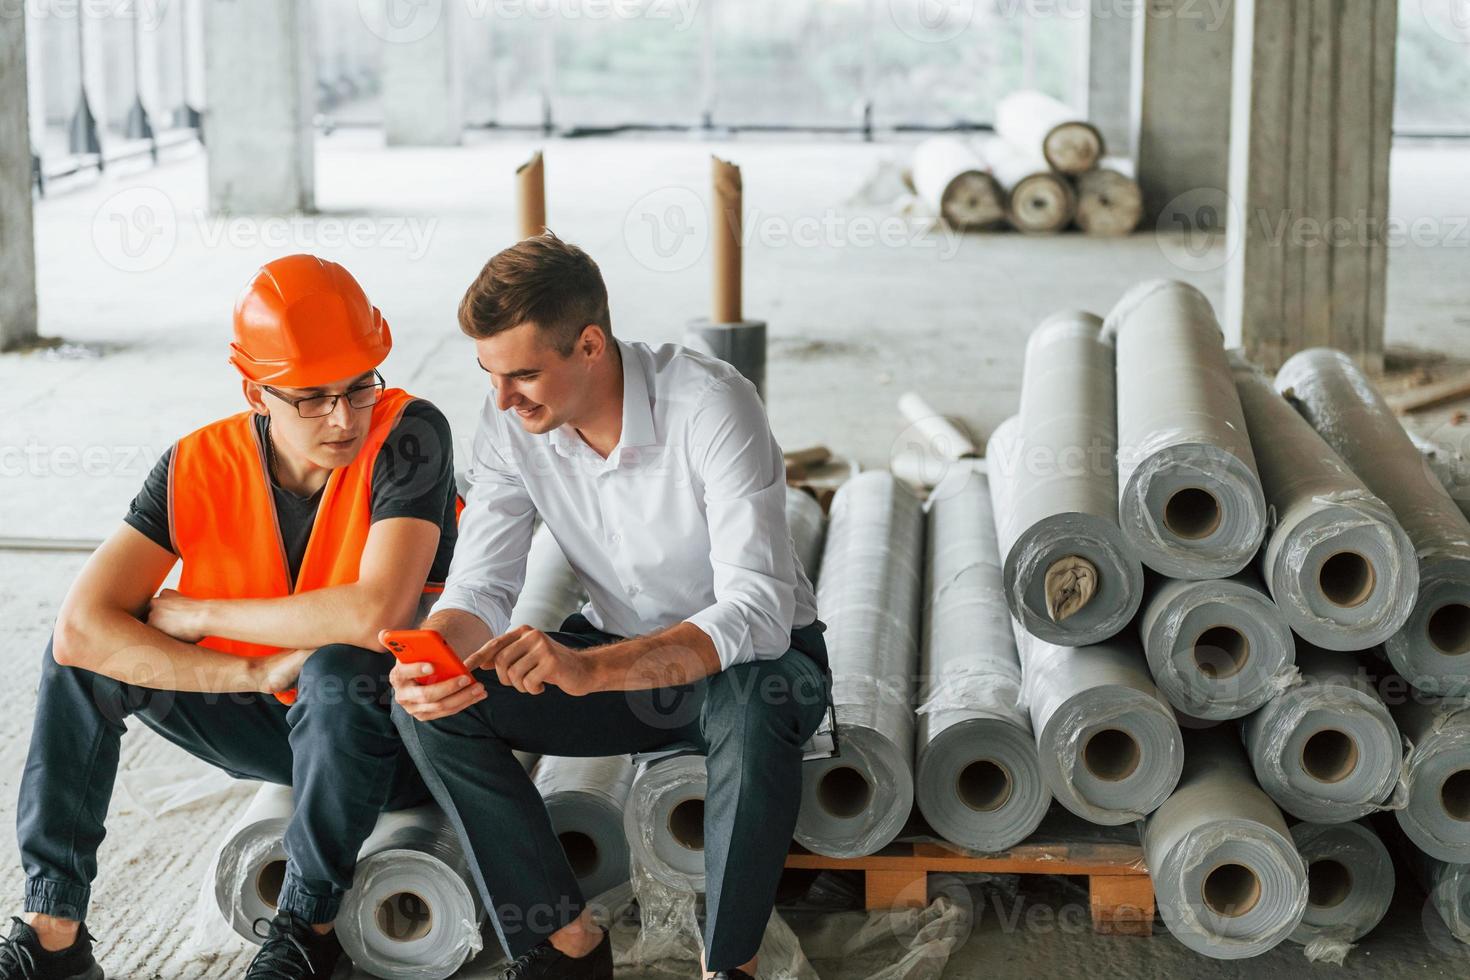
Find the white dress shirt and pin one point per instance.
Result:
(685, 520)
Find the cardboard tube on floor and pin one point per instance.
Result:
(725, 231)
(531, 196)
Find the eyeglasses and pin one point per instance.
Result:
(320, 406)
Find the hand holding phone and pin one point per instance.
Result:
(425, 647)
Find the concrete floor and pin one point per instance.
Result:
(861, 308)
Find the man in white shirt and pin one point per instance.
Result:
(657, 474)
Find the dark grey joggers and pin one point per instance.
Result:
(336, 745)
(750, 721)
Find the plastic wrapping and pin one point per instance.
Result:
(586, 799)
(412, 912)
(977, 778)
(942, 437)
(1341, 569)
(1437, 772)
(1219, 648)
(1451, 468)
(1227, 877)
(1448, 886)
(1326, 750)
(808, 525)
(1332, 394)
(551, 591)
(1108, 203)
(1059, 455)
(952, 180)
(664, 821)
(1035, 121)
(1350, 880)
(250, 867)
(869, 594)
(1189, 498)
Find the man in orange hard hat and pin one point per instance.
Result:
(304, 525)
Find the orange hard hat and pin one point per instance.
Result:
(303, 321)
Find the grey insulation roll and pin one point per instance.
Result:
(1432, 649)
(978, 777)
(1337, 562)
(741, 345)
(870, 595)
(551, 591)
(1350, 879)
(1437, 771)
(250, 867)
(664, 821)
(1035, 121)
(808, 525)
(1451, 468)
(1038, 200)
(1218, 648)
(1227, 877)
(1070, 577)
(1108, 741)
(586, 799)
(952, 179)
(1108, 203)
(413, 912)
(1448, 887)
(1189, 499)
(1327, 749)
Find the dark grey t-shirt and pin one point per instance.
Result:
(414, 477)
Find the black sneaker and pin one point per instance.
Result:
(733, 975)
(22, 956)
(547, 961)
(293, 950)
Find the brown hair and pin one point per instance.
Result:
(541, 280)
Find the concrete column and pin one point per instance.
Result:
(1311, 128)
(261, 97)
(1110, 72)
(423, 104)
(17, 231)
(1181, 108)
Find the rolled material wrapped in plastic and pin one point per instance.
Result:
(1108, 203)
(1070, 576)
(1331, 392)
(1038, 200)
(413, 912)
(1437, 771)
(587, 799)
(664, 820)
(1337, 562)
(251, 866)
(937, 433)
(1189, 499)
(1448, 887)
(1326, 750)
(1227, 876)
(978, 777)
(808, 525)
(870, 594)
(551, 591)
(1450, 467)
(952, 179)
(1107, 740)
(1035, 121)
(1350, 879)
(1219, 648)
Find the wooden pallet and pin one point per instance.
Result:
(1121, 894)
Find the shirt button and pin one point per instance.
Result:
(632, 590)
(616, 539)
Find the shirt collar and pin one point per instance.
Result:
(637, 413)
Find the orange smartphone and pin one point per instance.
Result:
(425, 647)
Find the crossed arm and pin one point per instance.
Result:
(114, 622)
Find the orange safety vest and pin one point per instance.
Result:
(223, 520)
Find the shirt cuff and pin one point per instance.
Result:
(496, 620)
(728, 631)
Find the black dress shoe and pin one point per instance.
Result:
(548, 962)
(22, 957)
(733, 975)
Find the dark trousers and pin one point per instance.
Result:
(336, 746)
(750, 721)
